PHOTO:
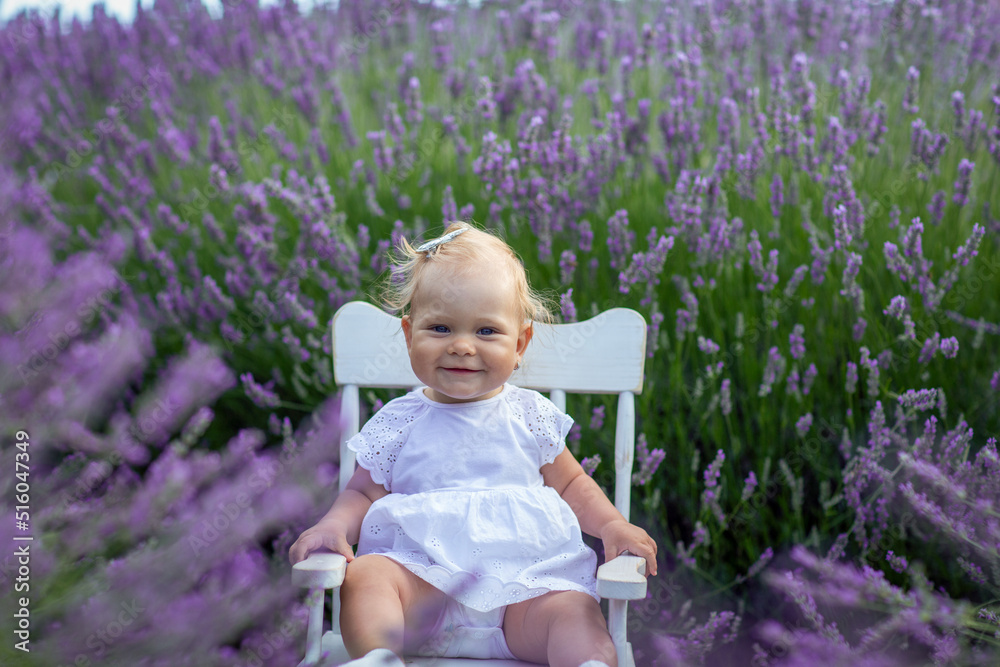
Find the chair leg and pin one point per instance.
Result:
(335, 613)
(314, 631)
(617, 610)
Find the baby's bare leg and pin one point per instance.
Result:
(561, 629)
(384, 605)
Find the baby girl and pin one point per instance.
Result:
(467, 507)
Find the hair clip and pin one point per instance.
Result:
(433, 245)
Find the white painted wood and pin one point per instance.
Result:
(336, 654)
(350, 424)
(320, 570)
(624, 452)
(622, 578)
(466, 662)
(602, 355)
(369, 349)
(617, 610)
(335, 611)
(558, 398)
(314, 629)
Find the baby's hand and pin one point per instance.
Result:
(619, 535)
(328, 535)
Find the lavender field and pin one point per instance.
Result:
(801, 197)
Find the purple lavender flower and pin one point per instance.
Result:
(808, 378)
(792, 383)
(803, 424)
(597, 418)
(620, 239)
(653, 334)
(710, 497)
(714, 470)
(749, 484)
(930, 348)
(566, 306)
(648, 461)
(262, 396)
(897, 307)
(777, 195)
(910, 96)
(707, 345)
(936, 207)
(797, 341)
(958, 106)
(774, 369)
(726, 400)
(759, 564)
(590, 463)
(995, 381)
(964, 182)
(567, 267)
(768, 274)
(949, 347)
(586, 236)
(646, 268)
(858, 332)
(923, 399)
(851, 288)
(851, 384)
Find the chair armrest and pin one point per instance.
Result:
(320, 570)
(622, 578)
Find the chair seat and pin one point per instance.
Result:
(333, 646)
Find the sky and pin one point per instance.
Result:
(123, 9)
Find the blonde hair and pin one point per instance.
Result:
(470, 248)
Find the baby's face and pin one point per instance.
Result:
(464, 334)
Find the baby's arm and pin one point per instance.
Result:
(597, 516)
(341, 526)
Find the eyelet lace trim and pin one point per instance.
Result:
(484, 591)
(547, 423)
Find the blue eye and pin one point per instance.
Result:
(487, 331)
(440, 328)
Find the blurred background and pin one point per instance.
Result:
(123, 10)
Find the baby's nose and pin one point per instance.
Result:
(462, 345)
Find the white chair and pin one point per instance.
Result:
(603, 355)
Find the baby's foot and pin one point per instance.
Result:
(379, 657)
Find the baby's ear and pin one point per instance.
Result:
(407, 329)
(527, 331)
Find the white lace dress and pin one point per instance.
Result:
(468, 510)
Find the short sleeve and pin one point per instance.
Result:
(378, 443)
(547, 423)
